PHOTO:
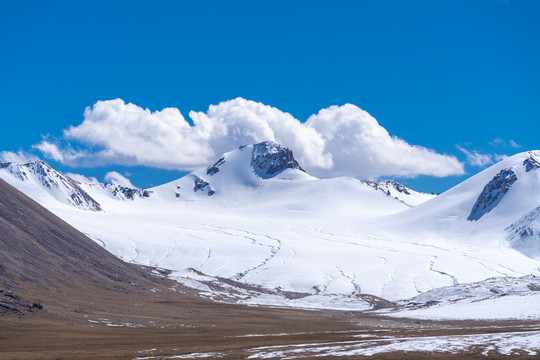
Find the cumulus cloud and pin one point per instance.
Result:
(340, 140)
(118, 179)
(19, 157)
(239, 122)
(359, 145)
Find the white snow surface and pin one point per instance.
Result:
(491, 299)
(327, 239)
(524, 234)
(519, 307)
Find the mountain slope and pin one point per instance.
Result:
(524, 234)
(238, 237)
(494, 298)
(268, 176)
(39, 251)
(480, 208)
(41, 182)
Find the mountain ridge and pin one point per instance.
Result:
(247, 168)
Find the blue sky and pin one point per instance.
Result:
(445, 75)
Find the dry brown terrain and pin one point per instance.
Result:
(64, 297)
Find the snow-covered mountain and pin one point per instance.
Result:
(479, 209)
(267, 173)
(237, 173)
(253, 227)
(43, 183)
(265, 170)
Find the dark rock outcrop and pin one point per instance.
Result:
(122, 192)
(269, 158)
(130, 193)
(386, 185)
(215, 168)
(202, 185)
(493, 193)
(532, 162)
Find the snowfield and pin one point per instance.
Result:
(237, 233)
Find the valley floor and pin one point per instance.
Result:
(181, 326)
(373, 338)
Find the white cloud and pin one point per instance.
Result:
(360, 146)
(19, 157)
(498, 142)
(514, 144)
(118, 179)
(499, 157)
(65, 155)
(340, 140)
(240, 122)
(475, 158)
(82, 179)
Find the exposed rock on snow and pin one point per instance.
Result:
(400, 192)
(524, 234)
(60, 186)
(493, 193)
(385, 186)
(269, 158)
(399, 187)
(533, 161)
(215, 168)
(202, 185)
(121, 192)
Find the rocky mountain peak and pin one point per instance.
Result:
(269, 158)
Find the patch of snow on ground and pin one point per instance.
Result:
(187, 356)
(503, 343)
